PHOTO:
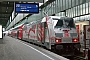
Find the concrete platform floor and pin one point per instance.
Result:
(14, 49)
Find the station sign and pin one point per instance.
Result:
(26, 8)
(86, 32)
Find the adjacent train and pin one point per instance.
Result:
(53, 32)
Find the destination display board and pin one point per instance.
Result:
(26, 8)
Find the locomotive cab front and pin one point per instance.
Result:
(66, 36)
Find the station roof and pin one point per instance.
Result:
(6, 9)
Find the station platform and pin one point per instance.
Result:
(14, 49)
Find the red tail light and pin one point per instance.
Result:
(58, 40)
(75, 40)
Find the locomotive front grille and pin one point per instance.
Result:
(73, 34)
(66, 40)
(59, 34)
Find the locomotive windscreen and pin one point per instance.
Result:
(64, 23)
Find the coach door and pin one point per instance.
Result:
(43, 32)
(46, 39)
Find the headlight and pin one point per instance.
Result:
(57, 40)
(75, 40)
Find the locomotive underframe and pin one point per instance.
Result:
(67, 48)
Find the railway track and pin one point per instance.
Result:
(76, 58)
(79, 58)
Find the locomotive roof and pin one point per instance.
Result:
(57, 17)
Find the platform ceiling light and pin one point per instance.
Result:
(24, 2)
(7, 7)
(8, 2)
(6, 11)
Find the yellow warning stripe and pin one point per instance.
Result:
(79, 57)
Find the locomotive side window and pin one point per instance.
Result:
(58, 23)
